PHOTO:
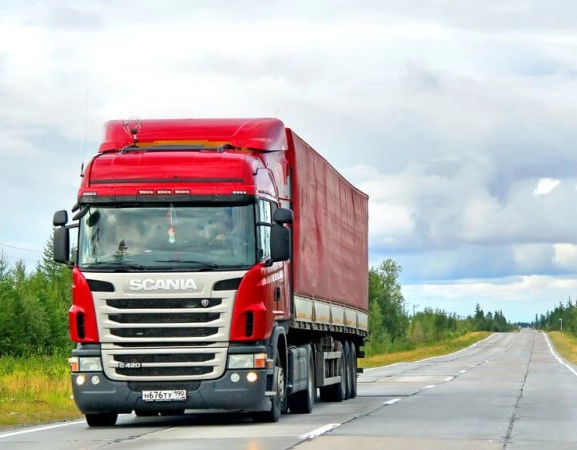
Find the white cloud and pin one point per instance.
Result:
(457, 118)
(565, 256)
(545, 186)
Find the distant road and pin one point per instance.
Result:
(510, 391)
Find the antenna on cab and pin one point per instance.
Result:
(132, 127)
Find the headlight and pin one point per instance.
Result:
(240, 361)
(250, 361)
(92, 364)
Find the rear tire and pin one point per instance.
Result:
(302, 402)
(346, 370)
(353, 392)
(101, 420)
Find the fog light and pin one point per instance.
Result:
(80, 380)
(95, 379)
(235, 377)
(251, 377)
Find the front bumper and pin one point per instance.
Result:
(109, 396)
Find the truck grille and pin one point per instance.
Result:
(164, 339)
(164, 319)
(170, 364)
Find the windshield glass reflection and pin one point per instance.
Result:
(174, 237)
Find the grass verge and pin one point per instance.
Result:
(440, 348)
(565, 344)
(35, 390)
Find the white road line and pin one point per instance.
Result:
(557, 356)
(429, 386)
(463, 371)
(392, 401)
(317, 432)
(448, 379)
(35, 429)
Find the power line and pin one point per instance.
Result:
(2, 244)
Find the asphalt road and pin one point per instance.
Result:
(510, 391)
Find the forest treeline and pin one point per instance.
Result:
(393, 328)
(34, 312)
(562, 318)
(34, 307)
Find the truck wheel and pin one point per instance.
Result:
(303, 402)
(279, 399)
(346, 370)
(353, 392)
(101, 420)
(349, 368)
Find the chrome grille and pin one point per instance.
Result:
(164, 339)
(170, 363)
(163, 320)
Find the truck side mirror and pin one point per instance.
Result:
(60, 218)
(61, 244)
(280, 243)
(282, 215)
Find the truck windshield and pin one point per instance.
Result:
(167, 237)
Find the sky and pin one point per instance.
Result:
(457, 117)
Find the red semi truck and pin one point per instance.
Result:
(219, 264)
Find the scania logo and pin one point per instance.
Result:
(179, 284)
(205, 302)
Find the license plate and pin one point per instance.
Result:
(164, 396)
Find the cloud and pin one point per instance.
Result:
(565, 256)
(456, 118)
(545, 186)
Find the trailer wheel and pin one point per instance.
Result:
(101, 420)
(279, 399)
(353, 392)
(302, 402)
(346, 371)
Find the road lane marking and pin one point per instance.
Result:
(318, 431)
(449, 379)
(463, 371)
(429, 386)
(557, 356)
(34, 430)
(392, 402)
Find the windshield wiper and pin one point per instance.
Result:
(207, 265)
(119, 265)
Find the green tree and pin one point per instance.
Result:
(384, 289)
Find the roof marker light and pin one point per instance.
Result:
(182, 191)
(164, 191)
(145, 191)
